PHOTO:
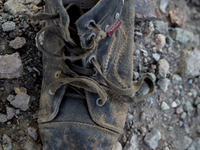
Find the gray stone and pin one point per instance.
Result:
(169, 41)
(137, 52)
(176, 79)
(164, 106)
(17, 111)
(186, 141)
(3, 118)
(152, 138)
(32, 132)
(8, 26)
(163, 5)
(144, 10)
(143, 90)
(188, 107)
(10, 97)
(21, 101)
(196, 40)
(117, 146)
(164, 84)
(179, 109)
(7, 145)
(30, 144)
(182, 36)
(183, 115)
(142, 116)
(188, 66)
(18, 6)
(163, 68)
(156, 56)
(11, 66)
(190, 81)
(160, 27)
(132, 144)
(198, 109)
(195, 144)
(17, 43)
(129, 117)
(197, 101)
(10, 112)
(160, 41)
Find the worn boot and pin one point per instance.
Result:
(88, 70)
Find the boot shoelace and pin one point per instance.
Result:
(70, 77)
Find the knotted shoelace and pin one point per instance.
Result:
(71, 76)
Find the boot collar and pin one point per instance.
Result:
(106, 14)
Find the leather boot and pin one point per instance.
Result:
(88, 71)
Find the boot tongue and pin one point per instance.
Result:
(74, 12)
(105, 13)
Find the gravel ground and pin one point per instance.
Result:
(167, 49)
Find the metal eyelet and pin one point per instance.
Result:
(98, 102)
(90, 36)
(57, 74)
(95, 72)
(90, 58)
(107, 28)
(51, 93)
(117, 16)
(88, 24)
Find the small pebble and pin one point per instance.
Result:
(10, 112)
(6, 143)
(160, 41)
(183, 115)
(137, 52)
(3, 118)
(32, 132)
(197, 101)
(20, 89)
(156, 56)
(164, 106)
(17, 43)
(190, 81)
(174, 104)
(10, 97)
(8, 26)
(143, 116)
(179, 109)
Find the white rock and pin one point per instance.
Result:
(164, 106)
(21, 101)
(117, 146)
(11, 66)
(174, 104)
(17, 6)
(152, 138)
(163, 68)
(163, 5)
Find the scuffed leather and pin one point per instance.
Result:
(101, 129)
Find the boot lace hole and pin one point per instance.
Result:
(90, 58)
(92, 35)
(57, 74)
(89, 23)
(99, 102)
